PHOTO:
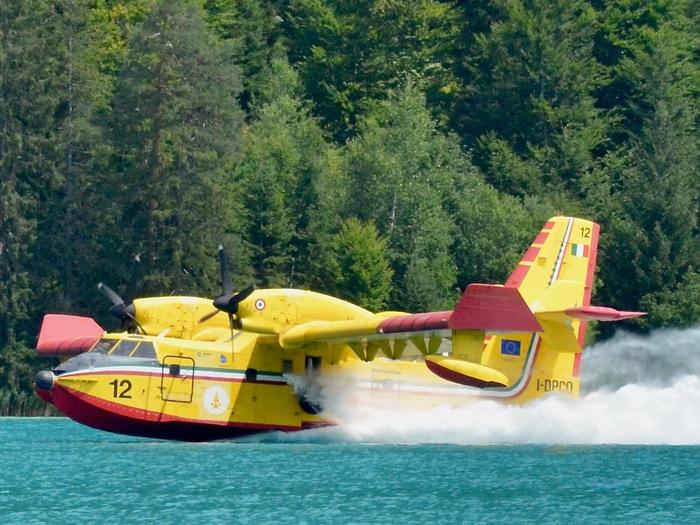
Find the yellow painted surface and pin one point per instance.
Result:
(200, 372)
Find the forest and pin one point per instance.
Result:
(389, 152)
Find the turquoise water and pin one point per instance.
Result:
(56, 471)
(627, 452)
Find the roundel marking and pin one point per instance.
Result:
(215, 400)
(259, 304)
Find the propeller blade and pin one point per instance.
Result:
(120, 310)
(110, 294)
(226, 283)
(233, 345)
(208, 316)
(243, 294)
(230, 303)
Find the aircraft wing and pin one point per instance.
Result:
(482, 307)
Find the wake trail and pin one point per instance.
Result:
(635, 390)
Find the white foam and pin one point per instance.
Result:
(637, 390)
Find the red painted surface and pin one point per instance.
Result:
(492, 307)
(113, 417)
(67, 334)
(577, 364)
(530, 254)
(592, 255)
(518, 275)
(462, 379)
(600, 313)
(415, 322)
(541, 237)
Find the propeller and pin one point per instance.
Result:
(228, 301)
(125, 313)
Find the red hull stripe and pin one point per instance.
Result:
(113, 417)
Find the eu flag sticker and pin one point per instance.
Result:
(510, 347)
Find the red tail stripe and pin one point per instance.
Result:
(518, 276)
(541, 238)
(530, 254)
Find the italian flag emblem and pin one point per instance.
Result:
(579, 250)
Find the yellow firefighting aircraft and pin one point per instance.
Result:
(185, 371)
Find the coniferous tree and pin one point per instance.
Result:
(31, 95)
(284, 159)
(252, 28)
(357, 266)
(30, 78)
(529, 107)
(69, 248)
(651, 253)
(350, 53)
(175, 129)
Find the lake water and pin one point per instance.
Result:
(627, 452)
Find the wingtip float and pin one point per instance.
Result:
(179, 370)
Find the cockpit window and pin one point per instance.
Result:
(145, 349)
(103, 346)
(124, 347)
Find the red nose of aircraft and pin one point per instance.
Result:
(44, 382)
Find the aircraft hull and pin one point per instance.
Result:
(113, 417)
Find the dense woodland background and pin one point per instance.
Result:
(386, 151)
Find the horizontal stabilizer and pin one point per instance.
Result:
(465, 372)
(600, 313)
(67, 334)
(494, 308)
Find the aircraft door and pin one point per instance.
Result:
(177, 379)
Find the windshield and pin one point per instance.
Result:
(103, 346)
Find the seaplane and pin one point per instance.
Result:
(187, 368)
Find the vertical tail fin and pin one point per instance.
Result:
(535, 323)
(555, 274)
(564, 250)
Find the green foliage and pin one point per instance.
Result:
(18, 364)
(135, 135)
(529, 102)
(351, 53)
(358, 267)
(284, 158)
(31, 74)
(174, 130)
(400, 170)
(253, 29)
(678, 306)
(655, 188)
